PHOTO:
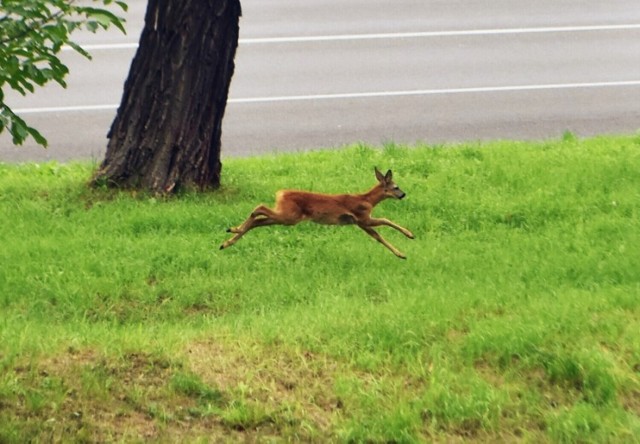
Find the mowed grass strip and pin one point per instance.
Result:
(515, 317)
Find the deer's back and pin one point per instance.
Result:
(332, 209)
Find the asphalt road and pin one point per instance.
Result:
(329, 72)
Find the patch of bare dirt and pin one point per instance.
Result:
(87, 396)
(300, 381)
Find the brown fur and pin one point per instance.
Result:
(292, 207)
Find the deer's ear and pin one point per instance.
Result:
(388, 176)
(379, 175)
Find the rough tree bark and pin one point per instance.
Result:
(167, 130)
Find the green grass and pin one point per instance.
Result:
(515, 317)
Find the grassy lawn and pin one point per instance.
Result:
(515, 317)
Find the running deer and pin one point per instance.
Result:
(293, 207)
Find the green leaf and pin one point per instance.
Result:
(18, 131)
(79, 49)
(39, 138)
(103, 17)
(56, 33)
(92, 26)
(18, 127)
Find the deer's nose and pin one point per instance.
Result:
(401, 196)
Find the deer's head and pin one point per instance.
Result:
(388, 185)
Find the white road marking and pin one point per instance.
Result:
(396, 35)
(363, 95)
(429, 92)
(462, 33)
(63, 109)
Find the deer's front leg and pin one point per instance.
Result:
(374, 234)
(377, 222)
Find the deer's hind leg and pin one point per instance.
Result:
(260, 210)
(259, 217)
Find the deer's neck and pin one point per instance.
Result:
(374, 196)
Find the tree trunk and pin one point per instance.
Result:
(167, 130)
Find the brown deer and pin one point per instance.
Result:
(293, 207)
